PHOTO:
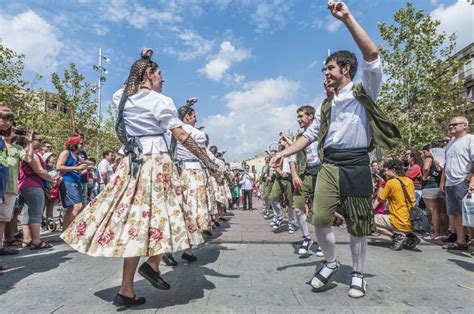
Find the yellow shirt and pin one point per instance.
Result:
(398, 208)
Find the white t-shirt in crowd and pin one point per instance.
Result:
(105, 167)
(459, 159)
(349, 126)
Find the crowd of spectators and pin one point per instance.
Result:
(39, 187)
(436, 179)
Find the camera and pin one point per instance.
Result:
(20, 131)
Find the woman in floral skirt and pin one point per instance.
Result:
(140, 212)
(192, 175)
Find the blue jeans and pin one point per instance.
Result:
(454, 195)
(247, 198)
(34, 199)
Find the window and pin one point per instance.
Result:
(53, 106)
(63, 109)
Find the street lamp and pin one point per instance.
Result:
(101, 72)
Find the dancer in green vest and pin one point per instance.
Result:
(303, 172)
(350, 123)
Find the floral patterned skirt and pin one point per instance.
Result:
(193, 182)
(211, 195)
(219, 193)
(140, 216)
(227, 192)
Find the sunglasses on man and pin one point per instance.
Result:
(453, 125)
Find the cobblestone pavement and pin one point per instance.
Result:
(245, 268)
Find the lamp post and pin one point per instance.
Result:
(101, 72)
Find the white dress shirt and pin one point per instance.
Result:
(152, 113)
(286, 163)
(349, 126)
(312, 157)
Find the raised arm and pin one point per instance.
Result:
(367, 47)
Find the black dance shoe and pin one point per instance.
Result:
(207, 233)
(169, 260)
(123, 301)
(189, 257)
(147, 272)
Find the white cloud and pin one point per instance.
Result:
(333, 24)
(314, 64)
(135, 14)
(31, 35)
(192, 45)
(256, 115)
(457, 18)
(100, 29)
(217, 67)
(271, 15)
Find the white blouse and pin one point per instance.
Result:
(182, 153)
(148, 114)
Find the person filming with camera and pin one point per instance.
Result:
(31, 185)
(247, 180)
(399, 191)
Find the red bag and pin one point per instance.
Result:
(55, 189)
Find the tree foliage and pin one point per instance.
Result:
(419, 93)
(57, 114)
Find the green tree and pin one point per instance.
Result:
(419, 93)
(59, 114)
(14, 91)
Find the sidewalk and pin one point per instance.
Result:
(246, 268)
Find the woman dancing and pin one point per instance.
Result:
(140, 212)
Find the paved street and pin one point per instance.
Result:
(246, 268)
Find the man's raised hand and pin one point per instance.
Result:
(339, 10)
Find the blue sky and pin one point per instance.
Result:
(250, 63)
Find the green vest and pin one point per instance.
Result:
(301, 159)
(384, 133)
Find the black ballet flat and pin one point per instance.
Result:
(169, 260)
(123, 301)
(147, 272)
(189, 257)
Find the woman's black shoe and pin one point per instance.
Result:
(207, 233)
(121, 300)
(169, 259)
(147, 272)
(189, 257)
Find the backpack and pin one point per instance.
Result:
(418, 218)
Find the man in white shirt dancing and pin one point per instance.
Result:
(349, 124)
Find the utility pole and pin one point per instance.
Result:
(101, 72)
